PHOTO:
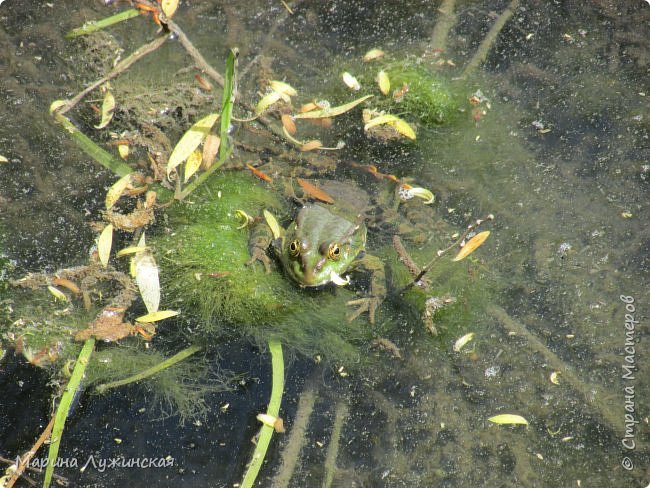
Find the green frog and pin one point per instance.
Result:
(319, 247)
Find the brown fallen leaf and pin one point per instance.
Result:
(314, 192)
(108, 326)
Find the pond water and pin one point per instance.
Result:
(557, 298)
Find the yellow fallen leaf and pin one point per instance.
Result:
(266, 101)
(555, 377)
(282, 87)
(331, 111)
(146, 277)
(462, 341)
(123, 150)
(190, 141)
(272, 223)
(193, 163)
(508, 418)
(395, 122)
(384, 82)
(373, 54)
(472, 245)
(104, 244)
(156, 316)
(130, 250)
(351, 82)
(3, 159)
(169, 7)
(108, 107)
(115, 191)
(58, 294)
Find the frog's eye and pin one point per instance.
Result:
(334, 252)
(294, 249)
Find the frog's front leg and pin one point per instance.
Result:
(374, 266)
(259, 240)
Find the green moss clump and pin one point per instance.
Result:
(203, 273)
(429, 99)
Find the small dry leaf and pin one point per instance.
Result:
(331, 111)
(115, 191)
(104, 244)
(373, 54)
(3, 159)
(395, 122)
(260, 174)
(266, 101)
(308, 107)
(210, 150)
(146, 277)
(130, 250)
(169, 7)
(508, 418)
(108, 107)
(462, 341)
(288, 123)
(351, 82)
(193, 163)
(472, 245)
(123, 150)
(191, 140)
(311, 145)
(66, 283)
(555, 378)
(58, 294)
(273, 224)
(314, 192)
(108, 326)
(269, 420)
(283, 88)
(203, 83)
(384, 82)
(156, 316)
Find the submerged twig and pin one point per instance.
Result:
(297, 439)
(194, 53)
(333, 449)
(24, 460)
(176, 358)
(484, 48)
(443, 26)
(591, 393)
(121, 67)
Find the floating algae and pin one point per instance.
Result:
(203, 272)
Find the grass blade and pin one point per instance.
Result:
(95, 25)
(277, 363)
(64, 407)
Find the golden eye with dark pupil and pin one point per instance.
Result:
(294, 249)
(334, 252)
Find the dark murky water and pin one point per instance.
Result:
(561, 158)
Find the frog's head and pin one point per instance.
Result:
(318, 247)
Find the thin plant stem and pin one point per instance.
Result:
(266, 432)
(147, 373)
(64, 407)
(24, 460)
(484, 48)
(121, 67)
